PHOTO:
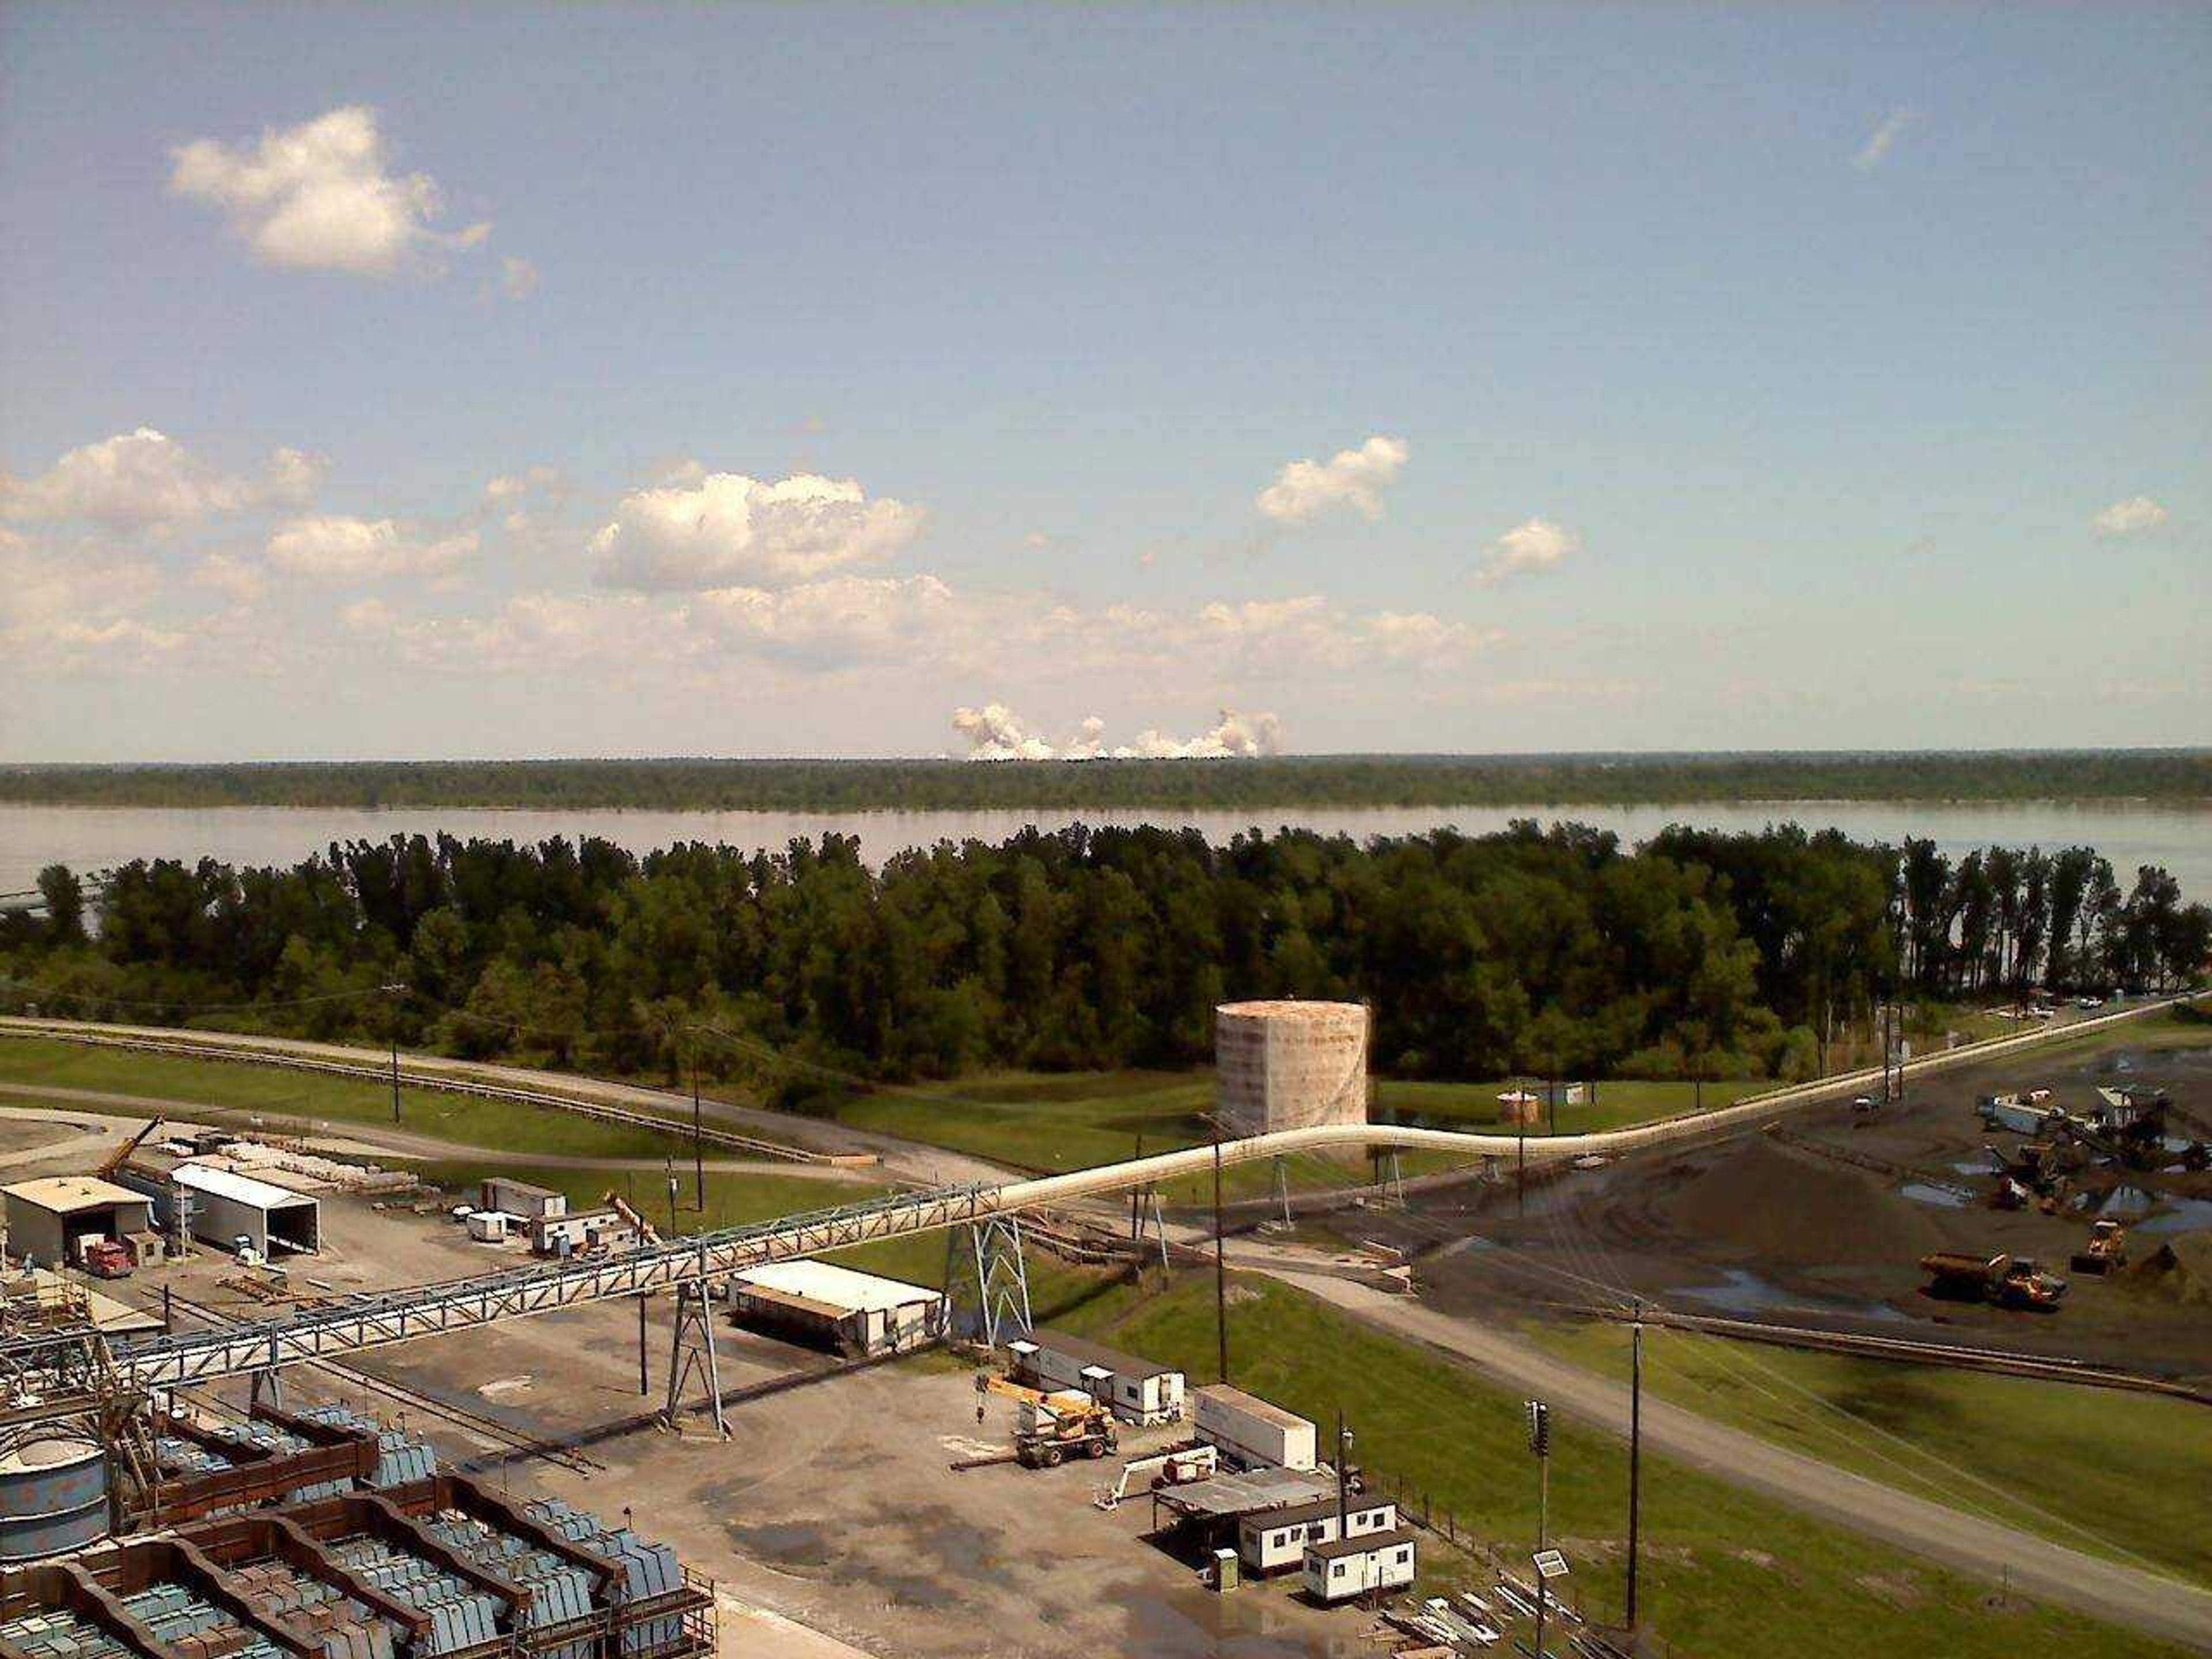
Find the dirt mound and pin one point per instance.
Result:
(2180, 1271)
(1790, 1207)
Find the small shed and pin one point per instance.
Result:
(1276, 1542)
(1348, 1567)
(227, 1207)
(52, 1220)
(1135, 1390)
(837, 1307)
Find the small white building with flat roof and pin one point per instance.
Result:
(840, 1309)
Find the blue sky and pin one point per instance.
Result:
(1774, 377)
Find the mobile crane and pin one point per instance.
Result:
(1050, 1428)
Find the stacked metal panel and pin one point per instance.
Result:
(561, 1592)
(191, 1629)
(649, 1570)
(315, 1611)
(461, 1616)
(401, 1460)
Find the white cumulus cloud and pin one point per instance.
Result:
(321, 196)
(1355, 479)
(726, 529)
(2126, 518)
(1536, 546)
(995, 733)
(140, 479)
(843, 623)
(330, 547)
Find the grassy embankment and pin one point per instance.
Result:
(2124, 1475)
(1726, 1573)
(234, 1094)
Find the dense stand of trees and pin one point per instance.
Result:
(1556, 952)
(2172, 775)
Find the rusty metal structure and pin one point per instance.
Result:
(438, 1566)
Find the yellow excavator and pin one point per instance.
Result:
(1051, 1428)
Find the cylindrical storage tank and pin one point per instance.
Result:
(53, 1495)
(1290, 1065)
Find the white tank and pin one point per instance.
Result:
(1290, 1065)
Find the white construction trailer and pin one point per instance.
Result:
(1250, 1431)
(227, 1208)
(1349, 1567)
(1135, 1390)
(1276, 1540)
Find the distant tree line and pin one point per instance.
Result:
(2175, 775)
(1558, 952)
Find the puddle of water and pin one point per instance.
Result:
(2186, 1215)
(1974, 1166)
(2125, 1200)
(1921, 1193)
(1745, 1293)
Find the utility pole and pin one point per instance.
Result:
(1635, 1451)
(395, 992)
(1343, 1477)
(644, 1382)
(668, 1164)
(1539, 1442)
(1220, 1267)
(1521, 1158)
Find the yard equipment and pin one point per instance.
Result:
(2107, 1249)
(1050, 1428)
(106, 1259)
(1167, 1468)
(106, 1169)
(2004, 1281)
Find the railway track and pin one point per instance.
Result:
(355, 1380)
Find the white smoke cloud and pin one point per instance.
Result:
(1351, 477)
(995, 733)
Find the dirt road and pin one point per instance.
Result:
(2161, 1606)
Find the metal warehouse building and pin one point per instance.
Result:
(832, 1307)
(48, 1219)
(226, 1206)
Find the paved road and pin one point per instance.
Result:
(2034, 1566)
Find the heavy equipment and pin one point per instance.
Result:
(1050, 1428)
(2107, 1249)
(107, 1166)
(2007, 1281)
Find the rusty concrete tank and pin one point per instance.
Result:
(1290, 1065)
(53, 1495)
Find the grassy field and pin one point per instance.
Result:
(1726, 1573)
(236, 1092)
(2124, 1475)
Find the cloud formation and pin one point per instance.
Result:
(1356, 478)
(142, 479)
(2136, 513)
(726, 529)
(995, 733)
(330, 547)
(1883, 138)
(1536, 546)
(843, 623)
(321, 196)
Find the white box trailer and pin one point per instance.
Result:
(1135, 1390)
(1275, 1541)
(1353, 1566)
(1249, 1431)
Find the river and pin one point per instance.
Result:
(93, 838)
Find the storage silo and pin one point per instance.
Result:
(1290, 1065)
(53, 1495)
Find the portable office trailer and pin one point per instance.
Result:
(1250, 1431)
(489, 1226)
(518, 1198)
(1276, 1542)
(227, 1207)
(1135, 1390)
(1352, 1566)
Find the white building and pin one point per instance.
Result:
(833, 1307)
(1135, 1390)
(1352, 1566)
(1276, 1540)
(226, 1206)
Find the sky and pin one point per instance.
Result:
(503, 380)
